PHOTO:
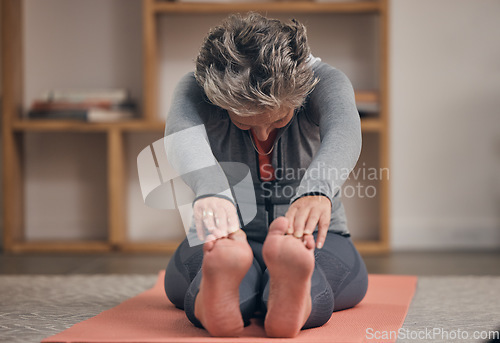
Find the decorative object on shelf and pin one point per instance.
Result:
(367, 103)
(340, 0)
(218, 1)
(86, 105)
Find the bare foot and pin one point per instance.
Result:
(290, 264)
(225, 263)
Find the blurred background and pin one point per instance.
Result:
(443, 123)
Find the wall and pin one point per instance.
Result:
(445, 88)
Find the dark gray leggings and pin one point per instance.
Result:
(339, 280)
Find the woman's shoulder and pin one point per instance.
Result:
(333, 83)
(327, 72)
(188, 89)
(334, 87)
(189, 94)
(188, 83)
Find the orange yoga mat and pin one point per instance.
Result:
(150, 317)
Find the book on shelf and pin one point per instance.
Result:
(85, 105)
(91, 115)
(70, 95)
(367, 103)
(367, 108)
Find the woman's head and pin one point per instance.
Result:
(254, 65)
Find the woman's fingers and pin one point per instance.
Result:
(312, 221)
(208, 218)
(233, 222)
(200, 231)
(290, 215)
(323, 225)
(300, 221)
(200, 228)
(215, 218)
(220, 220)
(305, 214)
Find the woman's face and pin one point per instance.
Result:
(262, 124)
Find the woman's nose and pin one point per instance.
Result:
(262, 133)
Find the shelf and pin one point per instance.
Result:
(367, 124)
(368, 247)
(372, 247)
(167, 247)
(267, 7)
(134, 125)
(366, 96)
(371, 125)
(60, 246)
(79, 126)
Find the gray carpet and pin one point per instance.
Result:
(34, 307)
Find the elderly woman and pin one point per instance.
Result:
(263, 100)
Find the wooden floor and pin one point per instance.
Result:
(414, 263)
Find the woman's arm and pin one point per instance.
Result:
(332, 107)
(189, 153)
(187, 145)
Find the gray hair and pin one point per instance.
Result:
(253, 64)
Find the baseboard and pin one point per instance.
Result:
(445, 234)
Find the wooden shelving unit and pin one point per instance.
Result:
(14, 126)
(267, 7)
(70, 125)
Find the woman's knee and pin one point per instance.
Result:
(345, 270)
(180, 271)
(355, 289)
(315, 322)
(353, 294)
(322, 299)
(175, 284)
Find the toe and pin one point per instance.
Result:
(238, 235)
(209, 243)
(309, 241)
(279, 226)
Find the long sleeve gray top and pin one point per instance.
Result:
(313, 154)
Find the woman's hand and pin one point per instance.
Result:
(218, 216)
(307, 212)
